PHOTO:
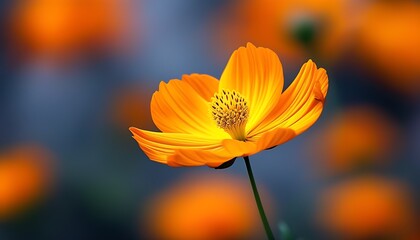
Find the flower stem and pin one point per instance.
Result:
(258, 200)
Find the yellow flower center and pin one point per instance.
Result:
(230, 111)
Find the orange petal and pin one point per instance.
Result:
(273, 138)
(192, 157)
(212, 157)
(301, 104)
(230, 149)
(205, 85)
(160, 146)
(239, 148)
(257, 74)
(179, 106)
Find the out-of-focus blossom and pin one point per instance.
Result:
(358, 137)
(297, 29)
(211, 207)
(205, 121)
(24, 178)
(131, 107)
(388, 41)
(63, 27)
(367, 207)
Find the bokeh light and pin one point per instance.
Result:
(25, 175)
(65, 28)
(197, 207)
(357, 138)
(130, 106)
(387, 41)
(367, 208)
(296, 29)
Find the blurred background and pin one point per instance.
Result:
(76, 74)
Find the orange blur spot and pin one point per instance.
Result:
(59, 27)
(217, 207)
(388, 40)
(295, 29)
(367, 207)
(131, 107)
(24, 176)
(356, 138)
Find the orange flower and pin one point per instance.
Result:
(23, 178)
(367, 207)
(294, 28)
(215, 207)
(54, 27)
(388, 40)
(357, 137)
(209, 122)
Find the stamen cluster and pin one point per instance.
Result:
(230, 111)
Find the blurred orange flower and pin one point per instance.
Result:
(131, 107)
(57, 27)
(24, 176)
(367, 207)
(209, 122)
(295, 28)
(216, 207)
(356, 137)
(388, 40)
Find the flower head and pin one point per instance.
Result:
(209, 122)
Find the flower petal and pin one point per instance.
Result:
(160, 146)
(205, 85)
(257, 74)
(273, 138)
(239, 148)
(193, 157)
(230, 149)
(179, 107)
(214, 157)
(301, 104)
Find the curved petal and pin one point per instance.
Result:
(273, 138)
(214, 157)
(257, 74)
(160, 146)
(301, 104)
(192, 157)
(239, 148)
(229, 149)
(204, 85)
(179, 107)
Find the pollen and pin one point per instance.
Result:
(230, 112)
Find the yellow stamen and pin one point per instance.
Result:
(230, 111)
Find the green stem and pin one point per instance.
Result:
(267, 228)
